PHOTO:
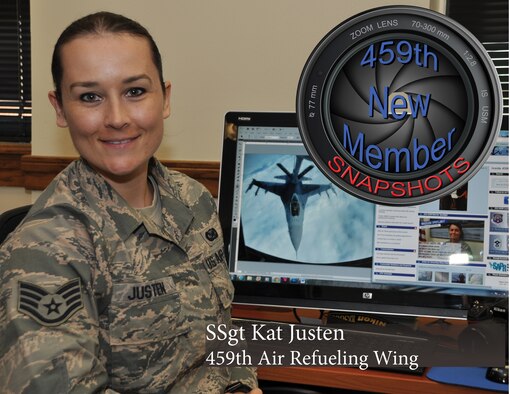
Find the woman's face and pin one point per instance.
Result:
(455, 233)
(112, 102)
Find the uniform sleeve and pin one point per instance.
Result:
(49, 321)
(245, 375)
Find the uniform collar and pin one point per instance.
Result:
(177, 216)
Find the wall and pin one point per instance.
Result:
(219, 55)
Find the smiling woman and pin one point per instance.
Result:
(110, 281)
(111, 100)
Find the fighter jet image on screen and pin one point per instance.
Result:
(293, 194)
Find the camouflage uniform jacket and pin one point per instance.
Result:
(93, 297)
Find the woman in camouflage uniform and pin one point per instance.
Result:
(110, 281)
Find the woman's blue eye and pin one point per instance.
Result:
(89, 97)
(134, 92)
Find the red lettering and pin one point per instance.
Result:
(365, 182)
(410, 188)
(338, 167)
(349, 170)
(438, 180)
(396, 189)
(445, 172)
(379, 187)
(459, 163)
(398, 186)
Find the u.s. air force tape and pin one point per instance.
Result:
(50, 309)
(399, 105)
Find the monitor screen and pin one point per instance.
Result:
(295, 239)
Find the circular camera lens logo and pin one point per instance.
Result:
(399, 105)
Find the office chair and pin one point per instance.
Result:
(10, 219)
(269, 387)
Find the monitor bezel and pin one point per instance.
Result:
(388, 299)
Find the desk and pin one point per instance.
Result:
(369, 380)
(348, 378)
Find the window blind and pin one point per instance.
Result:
(488, 21)
(15, 75)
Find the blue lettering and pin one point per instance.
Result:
(438, 149)
(395, 106)
(426, 55)
(396, 160)
(450, 133)
(377, 155)
(360, 143)
(502, 267)
(418, 104)
(383, 107)
(397, 153)
(417, 149)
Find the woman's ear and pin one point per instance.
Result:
(166, 104)
(59, 111)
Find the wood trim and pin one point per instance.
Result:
(10, 163)
(38, 171)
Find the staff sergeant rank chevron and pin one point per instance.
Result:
(50, 309)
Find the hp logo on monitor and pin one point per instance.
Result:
(367, 296)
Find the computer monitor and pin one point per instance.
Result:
(294, 239)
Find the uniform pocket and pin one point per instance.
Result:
(144, 312)
(145, 323)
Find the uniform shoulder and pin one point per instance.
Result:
(50, 224)
(49, 239)
(67, 194)
(185, 188)
(60, 209)
(64, 189)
